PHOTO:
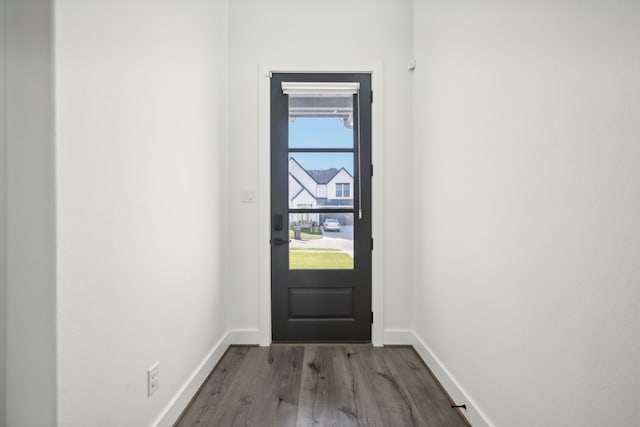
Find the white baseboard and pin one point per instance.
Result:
(180, 401)
(473, 413)
(397, 337)
(245, 337)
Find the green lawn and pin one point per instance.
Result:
(309, 260)
(316, 249)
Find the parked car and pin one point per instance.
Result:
(331, 224)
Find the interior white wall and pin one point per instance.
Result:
(524, 177)
(316, 34)
(141, 133)
(527, 204)
(3, 217)
(31, 346)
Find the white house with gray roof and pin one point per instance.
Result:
(329, 188)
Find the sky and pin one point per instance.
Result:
(321, 133)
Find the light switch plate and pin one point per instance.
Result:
(248, 195)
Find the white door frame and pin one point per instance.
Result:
(264, 190)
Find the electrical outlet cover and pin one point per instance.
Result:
(153, 378)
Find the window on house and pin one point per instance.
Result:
(343, 190)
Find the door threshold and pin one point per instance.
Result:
(322, 343)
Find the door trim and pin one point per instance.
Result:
(264, 192)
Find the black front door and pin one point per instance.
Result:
(321, 207)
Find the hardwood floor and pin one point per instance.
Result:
(321, 385)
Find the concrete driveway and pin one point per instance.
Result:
(346, 232)
(342, 240)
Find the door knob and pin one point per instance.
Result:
(279, 241)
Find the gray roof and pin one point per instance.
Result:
(323, 176)
(319, 176)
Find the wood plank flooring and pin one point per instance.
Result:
(321, 385)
